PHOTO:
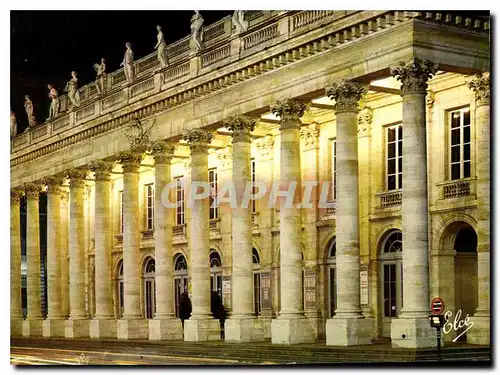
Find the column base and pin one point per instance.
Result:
(77, 328)
(16, 327)
(413, 333)
(243, 330)
(207, 329)
(264, 323)
(350, 331)
(32, 328)
(103, 329)
(165, 329)
(479, 333)
(54, 328)
(291, 331)
(318, 326)
(130, 329)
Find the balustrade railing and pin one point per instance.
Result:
(260, 36)
(308, 17)
(178, 47)
(142, 87)
(390, 198)
(457, 189)
(214, 30)
(214, 56)
(85, 112)
(179, 230)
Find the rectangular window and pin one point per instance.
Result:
(254, 190)
(120, 194)
(256, 294)
(390, 290)
(394, 157)
(333, 171)
(179, 199)
(150, 206)
(460, 144)
(212, 181)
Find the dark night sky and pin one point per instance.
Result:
(47, 45)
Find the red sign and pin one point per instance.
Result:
(437, 306)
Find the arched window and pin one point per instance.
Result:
(149, 288)
(216, 272)
(181, 279)
(256, 282)
(391, 278)
(331, 252)
(119, 290)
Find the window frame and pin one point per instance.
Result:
(214, 189)
(150, 206)
(398, 154)
(461, 144)
(180, 218)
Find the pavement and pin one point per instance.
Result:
(70, 352)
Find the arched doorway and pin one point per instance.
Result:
(256, 282)
(331, 252)
(216, 273)
(181, 280)
(149, 288)
(465, 247)
(119, 290)
(391, 277)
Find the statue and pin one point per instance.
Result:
(54, 104)
(100, 81)
(72, 90)
(239, 21)
(13, 124)
(197, 30)
(28, 107)
(161, 46)
(128, 63)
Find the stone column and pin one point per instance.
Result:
(132, 325)
(165, 325)
(104, 324)
(201, 326)
(480, 332)
(290, 327)
(32, 326)
(242, 327)
(53, 326)
(309, 159)
(77, 325)
(63, 230)
(16, 311)
(348, 326)
(412, 329)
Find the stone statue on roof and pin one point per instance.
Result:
(161, 47)
(54, 103)
(72, 89)
(239, 21)
(28, 107)
(197, 30)
(13, 124)
(100, 81)
(128, 63)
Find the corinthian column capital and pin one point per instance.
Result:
(309, 134)
(15, 195)
(289, 111)
(130, 160)
(241, 126)
(346, 94)
(480, 84)
(198, 139)
(31, 189)
(53, 184)
(414, 74)
(102, 169)
(163, 151)
(76, 177)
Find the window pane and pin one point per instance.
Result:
(391, 166)
(467, 152)
(400, 165)
(391, 150)
(391, 134)
(455, 154)
(467, 169)
(466, 134)
(455, 171)
(455, 120)
(391, 182)
(455, 137)
(467, 117)
(400, 148)
(400, 181)
(400, 132)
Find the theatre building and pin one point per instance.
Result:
(391, 108)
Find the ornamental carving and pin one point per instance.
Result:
(225, 157)
(139, 134)
(15, 195)
(198, 139)
(289, 111)
(265, 146)
(130, 160)
(102, 170)
(53, 184)
(163, 151)
(76, 177)
(480, 84)
(429, 99)
(31, 189)
(414, 75)
(241, 126)
(187, 166)
(364, 120)
(309, 134)
(346, 94)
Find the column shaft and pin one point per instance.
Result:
(33, 254)
(63, 232)
(15, 256)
